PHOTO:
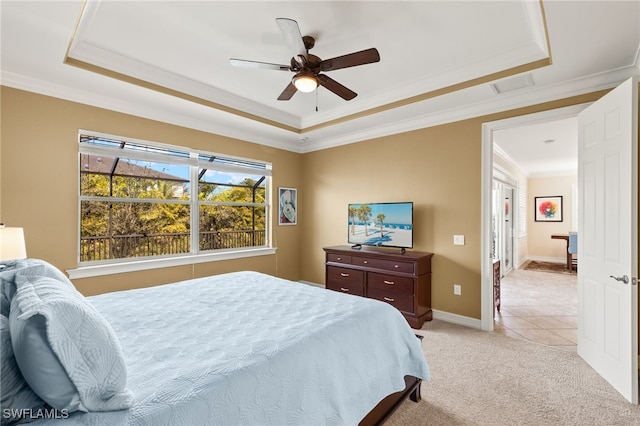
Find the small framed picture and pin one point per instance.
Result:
(287, 206)
(548, 209)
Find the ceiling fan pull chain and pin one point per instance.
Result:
(316, 100)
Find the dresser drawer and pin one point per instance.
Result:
(390, 283)
(400, 301)
(346, 287)
(389, 265)
(344, 275)
(338, 258)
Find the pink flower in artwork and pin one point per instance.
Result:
(548, 209)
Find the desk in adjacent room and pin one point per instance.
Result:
(566, 238)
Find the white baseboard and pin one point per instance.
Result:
(457, 319)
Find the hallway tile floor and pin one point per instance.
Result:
(540, 307)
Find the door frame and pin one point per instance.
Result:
(488, 128)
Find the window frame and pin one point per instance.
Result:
(195, 162)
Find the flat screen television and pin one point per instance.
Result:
(381, 224)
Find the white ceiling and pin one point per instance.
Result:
(169, 61)
(549, 148)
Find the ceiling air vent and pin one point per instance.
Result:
(513, 83)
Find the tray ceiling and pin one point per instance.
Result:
(440, 61)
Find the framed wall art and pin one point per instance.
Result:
(287, 206)
(548, 209)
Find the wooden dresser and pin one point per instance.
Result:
(400, 279)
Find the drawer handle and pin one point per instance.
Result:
(389, 299)
(344, 289)
(339, 258)
(344, 274)
(396, 266)
(365, 262)
(389, 282)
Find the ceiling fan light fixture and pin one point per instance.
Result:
(305, 82)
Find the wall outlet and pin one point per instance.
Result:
(457, 289)
(458, 240)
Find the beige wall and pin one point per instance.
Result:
(438, 168)
(540, 243)
(39, 154)
(442, 180)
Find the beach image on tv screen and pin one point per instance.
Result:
(381, 224)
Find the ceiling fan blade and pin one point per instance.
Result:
(337, 88)
(288, 92)
(292, 34)
(351, 60)
(242, 63)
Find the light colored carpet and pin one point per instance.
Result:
(481, 378)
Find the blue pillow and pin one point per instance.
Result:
(9, 270)
(37, 361)
(7, 285)
(17, 396)
(15, 391)
(67, 352)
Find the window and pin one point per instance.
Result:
(143, 200)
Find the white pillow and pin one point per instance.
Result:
(67, 352)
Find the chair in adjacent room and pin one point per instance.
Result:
(572, 249)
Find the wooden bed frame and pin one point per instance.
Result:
(387, 406)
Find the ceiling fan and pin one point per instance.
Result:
(308, 67)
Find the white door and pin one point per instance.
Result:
(607, 238)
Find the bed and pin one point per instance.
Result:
(238, 348)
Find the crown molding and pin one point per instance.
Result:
(498, 151)
(205, 119)
(226, 124)
(500, 103)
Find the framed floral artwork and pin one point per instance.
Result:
(548, 209)
(287, 206)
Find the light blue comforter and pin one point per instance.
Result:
(251, 349)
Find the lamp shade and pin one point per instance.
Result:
(12, 244)
(305, 82)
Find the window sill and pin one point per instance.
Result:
(143, 265)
